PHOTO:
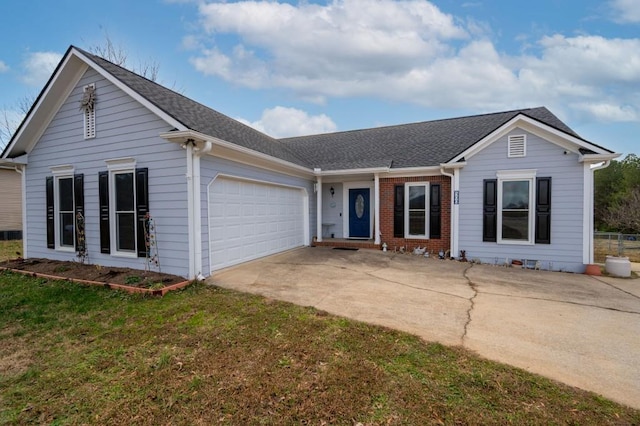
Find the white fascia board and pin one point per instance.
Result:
(367, 171)
(21, 160)
(48, 103)
(135, 95)
(597, 158)
(535, 127)
(413, 171)
(239, 153)
(456, 165)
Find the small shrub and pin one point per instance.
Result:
(132, 279)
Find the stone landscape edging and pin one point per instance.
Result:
(129, 289)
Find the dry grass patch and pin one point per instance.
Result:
(206, 355)
(10, 249)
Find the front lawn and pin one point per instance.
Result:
(82, 355)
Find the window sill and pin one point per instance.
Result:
(516, 243)
(416, 237)
(66, 249)
(124, 254)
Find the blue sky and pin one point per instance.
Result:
(291, 68)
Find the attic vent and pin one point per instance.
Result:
(88, 108)
(517, 146)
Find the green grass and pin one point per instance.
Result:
(9, 249)
(84, 355)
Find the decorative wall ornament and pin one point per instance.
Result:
(81, 249)
(88, 101)
(153, 259)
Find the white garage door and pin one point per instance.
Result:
(248, 220)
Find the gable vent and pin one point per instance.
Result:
(89, 124)
(517, 146)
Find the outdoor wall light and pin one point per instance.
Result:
(332, 191)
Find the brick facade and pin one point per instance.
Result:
(387, 186)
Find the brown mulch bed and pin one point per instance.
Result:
(107, 274)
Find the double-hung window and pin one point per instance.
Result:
(517, 208)
(416, 214)
(65, 223)
(123, 194)
(65, 205)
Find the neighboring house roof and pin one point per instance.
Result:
(424, 144)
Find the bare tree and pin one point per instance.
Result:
(7, 127)
(119, 56)
(625, 214)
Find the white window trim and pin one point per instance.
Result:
(427, 206)
(117, 166)
(125, 163)
(517, 175)
(522, 138)
(66, 173)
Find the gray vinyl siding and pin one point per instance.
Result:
(332, 209)
(565, 250)
(213, 166)
(124, 128)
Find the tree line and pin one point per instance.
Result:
(617, 196)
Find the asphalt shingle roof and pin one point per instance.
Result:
(428, 143)
(198, 117)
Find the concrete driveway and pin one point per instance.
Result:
(580, 330)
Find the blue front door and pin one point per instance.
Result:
(359, 217)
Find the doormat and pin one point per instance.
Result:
(346, 248)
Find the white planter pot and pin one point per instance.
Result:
(618, 266)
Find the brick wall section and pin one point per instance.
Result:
(387, 186)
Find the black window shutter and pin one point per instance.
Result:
(142, 208)
(543, 210)
(398, 211)
(435, 215)
(490, 211)
(78, 198)
(51, 233)
(103, 195)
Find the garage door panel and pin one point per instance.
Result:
(248, 220)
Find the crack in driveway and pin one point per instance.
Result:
(472, 302)
(544, 299)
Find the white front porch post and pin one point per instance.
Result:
(455, 214)
(318, 207)
(376, 208)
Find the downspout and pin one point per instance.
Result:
(188, 145)
(588, 258)
(21, 169)
(453, 225)
(198, 151)
(376, 205)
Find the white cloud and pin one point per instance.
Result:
(38, 67)
(281, 122)
(410, 51)
(626, 11)
(3, 67)
(607, 112)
